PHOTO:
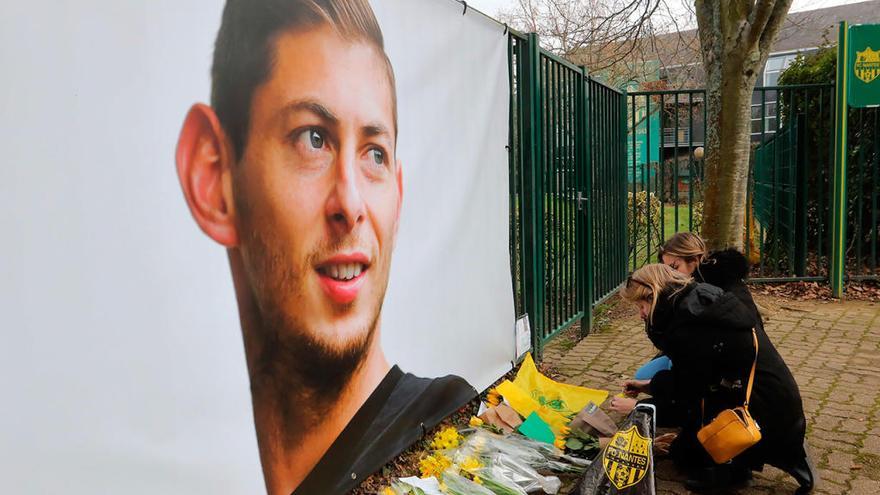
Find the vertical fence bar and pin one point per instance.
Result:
(620, 166)
(860, 166)
(649, 167)
(763, 141)
(662, 157)
(533, 247)
(602, 151)
(801, 173)
(820, 183)
(875, 186)
(586, 185)
(634, 207)
(566, 194)
(566, 278)
(552, 198)
(690, 162)
(675, 166)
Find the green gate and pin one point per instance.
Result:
(567, 189)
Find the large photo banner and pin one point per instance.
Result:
(448, 306)
(250, 245)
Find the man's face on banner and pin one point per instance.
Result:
(318, 188)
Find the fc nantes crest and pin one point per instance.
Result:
(626, 458)
(867, 65)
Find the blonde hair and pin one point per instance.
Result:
(649, 281)
(685, 245)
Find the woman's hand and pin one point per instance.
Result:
(663, 442)
(623, 405)
(632, 388)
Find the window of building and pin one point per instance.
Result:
(769, 117)
(774, 67)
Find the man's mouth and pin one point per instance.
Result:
(343, 276)
(342, 272)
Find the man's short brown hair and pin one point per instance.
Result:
(244, 50)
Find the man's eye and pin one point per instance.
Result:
(377, 156)
(311, 138)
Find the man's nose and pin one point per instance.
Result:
(345, 206)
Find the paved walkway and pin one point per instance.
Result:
(832, 348)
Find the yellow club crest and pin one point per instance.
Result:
(627, 458)
(867, 65)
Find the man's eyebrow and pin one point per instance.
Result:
(373, 130)
(310, 106)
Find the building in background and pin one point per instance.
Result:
(674, 126)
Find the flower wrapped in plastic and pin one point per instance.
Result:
(525, 477)
(459, 485)
(538, 455)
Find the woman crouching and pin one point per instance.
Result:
(708, 335)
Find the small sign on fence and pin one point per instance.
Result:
(864, 65)
(523, 336)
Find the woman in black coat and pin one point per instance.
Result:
(728, 269)
(707, 333)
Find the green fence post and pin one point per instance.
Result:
(585, 185)
(838, 204)
(622, 199)
(533, 244)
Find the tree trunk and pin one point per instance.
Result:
(735, 39)
(728, 146)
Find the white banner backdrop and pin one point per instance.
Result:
(122, 368)
(449, 307)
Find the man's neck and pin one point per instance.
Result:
(286, 465)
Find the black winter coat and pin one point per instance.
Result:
(786, 424)
(707, 334)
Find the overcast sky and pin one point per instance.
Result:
(492, 7)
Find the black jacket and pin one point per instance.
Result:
(728, 269)
(707, 333)
(397, 414)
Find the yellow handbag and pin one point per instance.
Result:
(733, 430)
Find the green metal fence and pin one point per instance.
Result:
(607, 143)
(567, 189)
(863, 188)
(788, 234)
(779, 195)
(793, 241)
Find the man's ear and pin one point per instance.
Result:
(203, 168)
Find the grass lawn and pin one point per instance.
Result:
(669, 229)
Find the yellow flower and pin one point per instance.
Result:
(559, 443)
(477, 480)
(433, 465)
(388, 491)
(470, 463)
(447, 438)
(475, 422)
(493, 397)
(565, 431)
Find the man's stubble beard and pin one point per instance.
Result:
(295, 372)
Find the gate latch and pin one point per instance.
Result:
(581, 199)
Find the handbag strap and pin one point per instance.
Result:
(752, 373)
(748, 387)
